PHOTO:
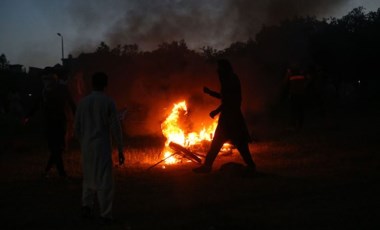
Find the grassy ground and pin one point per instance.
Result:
(323, 177)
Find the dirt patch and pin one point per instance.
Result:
(314, 179)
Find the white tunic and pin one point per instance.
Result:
(95, 121)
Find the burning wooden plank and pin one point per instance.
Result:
(186, 153)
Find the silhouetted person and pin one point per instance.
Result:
(96, 121)
(15, 105)
(56, 101)
(296, 82)
(231, 124)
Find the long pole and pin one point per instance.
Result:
(161, 161)
(59, 34)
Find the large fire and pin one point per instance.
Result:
(175, 130)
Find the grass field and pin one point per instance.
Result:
(323, 177)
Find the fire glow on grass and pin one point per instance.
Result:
(172, 130)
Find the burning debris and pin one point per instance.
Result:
(177, 129)
(181, 141)
(185, 152)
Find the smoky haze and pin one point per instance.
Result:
(150, 87)
(215, 23)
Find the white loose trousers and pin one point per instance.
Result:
(95, 122)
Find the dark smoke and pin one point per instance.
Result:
(215, 23)
(247, 17)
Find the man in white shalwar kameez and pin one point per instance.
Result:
(96, 121)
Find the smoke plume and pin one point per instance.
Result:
(215, 23)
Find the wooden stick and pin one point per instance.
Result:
(186, 153)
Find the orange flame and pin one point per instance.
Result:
(172, 130)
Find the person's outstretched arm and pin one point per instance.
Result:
(215, 112)
(212, 93)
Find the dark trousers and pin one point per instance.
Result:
(217, 144)
(297, 110)
(56, 143)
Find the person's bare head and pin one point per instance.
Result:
(99, 81)
(225, 67)
(225, 71)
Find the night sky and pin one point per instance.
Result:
(29, 27)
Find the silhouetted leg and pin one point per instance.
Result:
(300, 114)
(51, 159)
(59, 164)
(88, 197)
(216, 145)
(105, 198)
(293, 112)
(49, 163)
(246, 155)
(57, 144)
(60, 149)
(55, 158)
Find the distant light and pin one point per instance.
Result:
(359, 82)
(30, 94)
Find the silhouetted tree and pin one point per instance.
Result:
(130, 50)
(4, 63)
(103, 48)
(209, 52)
(117, 51)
